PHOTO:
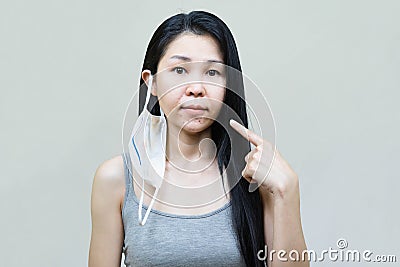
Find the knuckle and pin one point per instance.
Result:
(252, 167)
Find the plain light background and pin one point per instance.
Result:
(330, 71)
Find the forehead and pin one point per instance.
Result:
(192, 47)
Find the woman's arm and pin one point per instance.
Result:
(107, 229)
(282, 226)
(279, 190)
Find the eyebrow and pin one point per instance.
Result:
(189, 59)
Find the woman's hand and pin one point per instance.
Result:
(264, 168)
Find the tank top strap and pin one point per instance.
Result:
(127, 167)
(128, 179)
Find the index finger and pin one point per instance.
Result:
(246, 133)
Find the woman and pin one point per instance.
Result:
(231, 231)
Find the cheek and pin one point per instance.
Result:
(216, 92)
(169, 100)
(167, 104)
(217, 99)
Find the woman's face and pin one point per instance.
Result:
(190, 63)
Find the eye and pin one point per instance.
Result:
(179, 70)
(213, 72)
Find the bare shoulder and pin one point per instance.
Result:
(107, 227)
(109, 179)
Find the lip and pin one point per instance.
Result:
(194, 107)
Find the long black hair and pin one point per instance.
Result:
(247, 210)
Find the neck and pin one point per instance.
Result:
(189, 151)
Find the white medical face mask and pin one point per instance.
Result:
(147, 150)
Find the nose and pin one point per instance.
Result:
(195, 89)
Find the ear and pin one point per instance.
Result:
(145, 76)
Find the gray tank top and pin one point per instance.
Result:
(177, 240)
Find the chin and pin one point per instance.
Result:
(197, 125)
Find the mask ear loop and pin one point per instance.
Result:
(148, 91)
(143, 221)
